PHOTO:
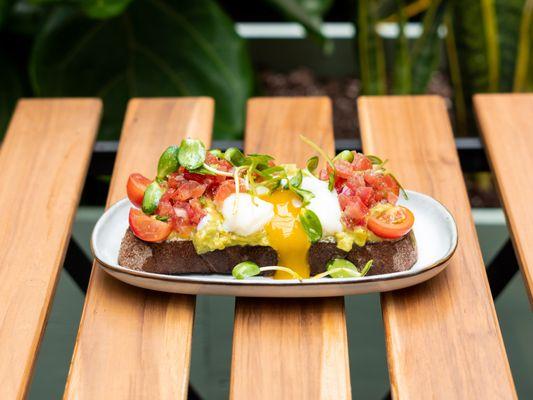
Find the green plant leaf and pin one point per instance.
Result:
(478, 54)
(523, 79)
(5, 7)
(427, 48)
(455, 75)
(10, 90)
(99, 9)
(402, 60)
(308, 13)
(371, 55)
(104, 8)
(509, 16)
(156, 48)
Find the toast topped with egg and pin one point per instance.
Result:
(226, 212)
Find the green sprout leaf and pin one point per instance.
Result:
(191, 154)
(345, 155)
(342, 268)
(367, 267)
(311, 225)
(296, 180)
(245, 269)
(235, 157)
(217, 153)
(168, 162)
(331, 181)
(374, 159)
(312, 164)
(151, 198)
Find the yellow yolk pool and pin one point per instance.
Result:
(286, 235)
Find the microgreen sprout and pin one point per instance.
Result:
(345, 155)
(311, 225)
(247, 269)
(168, 162)
(312, 164)
(191, 154)
(342, 268)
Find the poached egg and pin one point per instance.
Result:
(279, 214)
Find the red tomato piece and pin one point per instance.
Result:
(147, 228)
(224, 190)
(136, 187)
(366, 194)
(164, 208)
(393, 223)
(355, 210)
(343, 168)
(188, 190)
(355, 181)
(361, 162)
(195, 211)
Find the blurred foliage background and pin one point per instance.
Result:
(118, 49)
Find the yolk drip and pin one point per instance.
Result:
(286, 235)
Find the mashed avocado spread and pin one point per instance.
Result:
(211, 235)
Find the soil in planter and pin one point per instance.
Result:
(343, 92)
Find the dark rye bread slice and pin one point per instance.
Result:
(180, 257)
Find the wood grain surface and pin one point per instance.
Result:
(43, 162)
(289, 348)
(135, 343)
(506, 122)
(443, 338)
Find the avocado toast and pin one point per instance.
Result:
(225, 212)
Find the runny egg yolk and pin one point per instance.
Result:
(286, 235)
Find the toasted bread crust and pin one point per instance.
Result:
(180, 257)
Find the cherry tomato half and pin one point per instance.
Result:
(147, 228)
(393, 223)
(136, 187)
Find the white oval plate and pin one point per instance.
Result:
(435, 232)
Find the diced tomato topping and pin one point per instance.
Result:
(366, 194)
(361, 162)
(189, 190)
(382, 185)
(224, 190)
(343, 168)
(215, 162)
(195, 211)
(355, 181)
(165, 209)
(356, 211)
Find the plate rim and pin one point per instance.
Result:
(187, 279)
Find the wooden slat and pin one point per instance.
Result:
(289, 348)
(443, 339)
(506, 122)
(43, 162)
(134, 343)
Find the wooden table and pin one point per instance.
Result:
(442, 337)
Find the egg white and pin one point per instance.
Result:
(325, 204)
(244, 215)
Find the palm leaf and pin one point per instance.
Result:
(370, 49)
(308, 13)
(455, 75)
(476, 37)
(402, 60)
(509, 14)
(523, 79)
(427, 48)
